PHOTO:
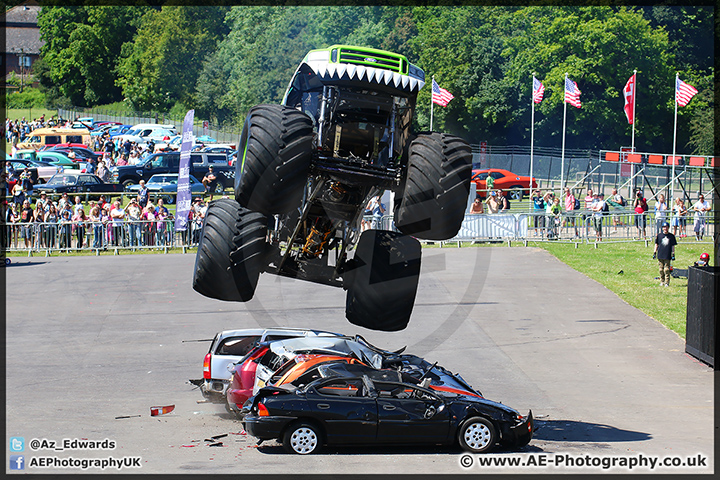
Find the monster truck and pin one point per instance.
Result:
(307, 168)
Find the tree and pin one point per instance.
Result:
(80, 51)
(162, 65)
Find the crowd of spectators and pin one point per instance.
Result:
(65, 224)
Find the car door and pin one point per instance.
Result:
(89, 183)
(408, 414)
(346, 410)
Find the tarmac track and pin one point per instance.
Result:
(89, 339)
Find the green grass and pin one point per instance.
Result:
(29, 113)
(637, 284)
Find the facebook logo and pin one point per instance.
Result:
(17, 462)
(17, 444)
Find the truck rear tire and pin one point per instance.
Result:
(231, 252)
(381, 280)
(274, 159)
(437, 186)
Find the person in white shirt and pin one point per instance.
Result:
(700, 208)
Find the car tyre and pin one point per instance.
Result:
(274, 159)
(127, 183)
(477, 435)
(516, 193)
(302, 438)
(381, 280)
(436, 188)
(231, 252)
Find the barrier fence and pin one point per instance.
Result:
(576, 226)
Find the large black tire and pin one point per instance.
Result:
(381, 280)
(231, 252)
(477, 435)
(274, 159)
(433, 201)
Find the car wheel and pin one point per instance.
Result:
(302, 438)
(128, 182)
(436, 187)
(168, 199)
(381, 280)
(477, 435)
(231, 252)
(274, 159)
(516, 193)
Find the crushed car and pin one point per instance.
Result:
(307, 168)
(371, 409)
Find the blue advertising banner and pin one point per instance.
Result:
(184, 195)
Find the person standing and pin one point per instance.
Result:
(640, 206)
(377, 209)
(660, 212)
(538, 211)
(664, 252)
(597, 207)
(700, 208)
(489, 184)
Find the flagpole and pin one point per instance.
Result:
(562, 157)
(532, 141)
(672, 184)
(431, 104)
(632, 143)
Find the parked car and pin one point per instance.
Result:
(513, 186)
(81, 153)
(77, 183)
(367, 410)
(157, 163)
(119, 130)
(165, 186)
(40, 172)
(230, 346)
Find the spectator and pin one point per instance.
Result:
(660, 212)
(96, 223)
(477, 206)
(664, 252)
(18, 194)
(640, 206)
(117, 217)
(683, 218)
(149, 224)
(42, 203)
(700, 208)
(378, 209)
(617, 202)
(198, 217)
(78, 204)
(597, 207)
(102, 202)
(570, 205)
(79, 220)
(38, 220)
(704, 260)
(107, 224)
(589, 199)
(103, 172)
(209, 181)
(489, 184)
(492, 203)
(161, 215)
(13, 217)
(504, 202)
(51, 221)
(63, 202)
(26, 181)
(555, 220)
(65, 229)
(26, 228)
(538, 210)
(133, 215)
(142, 195)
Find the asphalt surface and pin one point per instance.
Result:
(89, 339)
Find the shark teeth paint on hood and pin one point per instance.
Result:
(332, 71)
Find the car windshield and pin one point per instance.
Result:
(62, 180)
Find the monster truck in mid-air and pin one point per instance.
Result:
(307, 168)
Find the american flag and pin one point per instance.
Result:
(440, 95)
(538, 90)
(572, 93)
(683, 92)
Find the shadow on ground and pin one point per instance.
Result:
(573, 431)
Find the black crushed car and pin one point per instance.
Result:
(379, 408)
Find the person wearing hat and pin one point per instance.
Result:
(704, 260)
(664, 252)
(209, 181)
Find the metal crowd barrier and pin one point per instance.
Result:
(95, 236)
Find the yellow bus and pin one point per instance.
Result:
(52, 136)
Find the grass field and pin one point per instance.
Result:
(29, 113)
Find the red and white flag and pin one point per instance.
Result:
(538, 90)
(683, 92)
(629, 94)
(440, 95)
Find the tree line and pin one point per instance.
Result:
(222, 60)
